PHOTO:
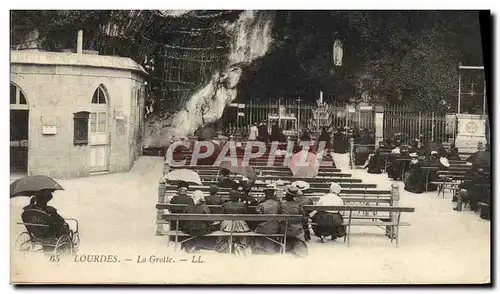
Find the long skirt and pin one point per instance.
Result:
(199, 229)
(241, 245)
(297, 246)
(414, 183)
(263, 245)
(328, 224)
(295, 241)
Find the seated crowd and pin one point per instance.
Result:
(325, 223)
(418, 164)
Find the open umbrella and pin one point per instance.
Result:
(303, 164)
(184, 175)
(239, 169)
(27, 186)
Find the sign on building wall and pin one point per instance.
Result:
(471, 127)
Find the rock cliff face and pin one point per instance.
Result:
(250, 39)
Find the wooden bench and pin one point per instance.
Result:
(279, 238)
(393, 222)
(365, 199)
(351, 219)
(449, 180)
(290, 179)
(347, 190)
(260, 183)
(259, 168)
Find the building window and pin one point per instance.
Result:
(98, 122)
(17, 98)
(99, 97)
(81, 128)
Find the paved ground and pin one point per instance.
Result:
(117, 215)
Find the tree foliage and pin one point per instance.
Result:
(397, 56)
(400, 56)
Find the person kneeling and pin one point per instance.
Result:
(329, 223)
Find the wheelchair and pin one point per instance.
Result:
(43, 235)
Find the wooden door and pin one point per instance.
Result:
(99, 141)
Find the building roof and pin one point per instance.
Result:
(73, 59)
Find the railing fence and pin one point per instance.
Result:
(433, 126)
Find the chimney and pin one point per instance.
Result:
(79, 42)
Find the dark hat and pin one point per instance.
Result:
(234, 195)
(269, 187)
(292, 190)
(213, 189)
(181, 184)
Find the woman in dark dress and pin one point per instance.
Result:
(244, 189)
(263, 132)
(198, 228)
(277, 134)
(296, 243)
(340, 141)
(415, 178)
(57, 224)
(305, 136)
(375, 163)
(393, 169)
(304, 200)
(453, 154)
(270, 205)
(240, 244)
(325, 137)
(432, 162)
(362, 152)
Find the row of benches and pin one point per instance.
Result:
(364, 205)
(351, 218)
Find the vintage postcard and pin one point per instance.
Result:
(249, 147)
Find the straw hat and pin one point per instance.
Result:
(301, 185)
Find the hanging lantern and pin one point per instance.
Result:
(337, 53)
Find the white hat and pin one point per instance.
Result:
(414, 160)
(396, 151)
(414, 154)
(335, 188)
(444, 161)
(197, 197)
(434, 152)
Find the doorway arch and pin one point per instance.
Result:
(19, 130)
(99, 131)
